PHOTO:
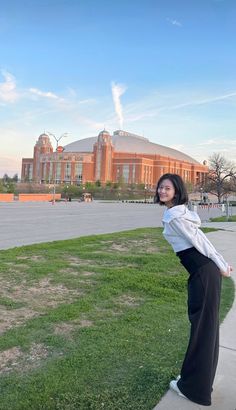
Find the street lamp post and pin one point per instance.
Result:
(201, 194)
(145, 190)
(68, 196)
(65, 134)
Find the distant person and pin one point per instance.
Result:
(205, 198)
(205, 267)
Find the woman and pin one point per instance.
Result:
(205, 266)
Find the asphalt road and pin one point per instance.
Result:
(27, 223)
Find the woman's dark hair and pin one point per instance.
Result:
(181, 195)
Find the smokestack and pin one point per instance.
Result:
(117, 91)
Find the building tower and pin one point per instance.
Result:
(42, 146)
(103, 150)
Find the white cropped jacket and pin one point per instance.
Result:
(181, 230)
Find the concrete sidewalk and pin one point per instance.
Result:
(224, 394)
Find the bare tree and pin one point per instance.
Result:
(233, 183)
(220, 176)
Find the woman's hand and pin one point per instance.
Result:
(227, 274)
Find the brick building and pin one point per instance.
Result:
(109, 158)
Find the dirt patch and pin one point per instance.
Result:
(69, 271)
(118, 247)
(35, 258)
(66, 329)
(20, 267)
(75, 261)
(36, 299)
(44, 294)
(8, 358)
(15, 271)
(86, 282)
(142, 245)
(85, 323)
(9, 263)
(6, 287)
(73, 272)
(16, 359)
(152, 249)
(19, 258)
(13, 318)
(128, 300)
(87, 273)
(37, 351)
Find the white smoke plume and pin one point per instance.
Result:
(117, 91)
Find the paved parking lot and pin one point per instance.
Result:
(27, 223)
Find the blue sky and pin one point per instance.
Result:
(163, 69)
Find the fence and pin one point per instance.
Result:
(212, 210)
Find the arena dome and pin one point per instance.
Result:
(130, 143)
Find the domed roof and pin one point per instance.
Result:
(127, 142)
(84, 145)
(104, 132)
(43, 139)
(43, 135)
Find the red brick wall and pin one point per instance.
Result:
(6, 197)
(38, 197)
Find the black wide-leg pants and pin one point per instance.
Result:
(200, 362)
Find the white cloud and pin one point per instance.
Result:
(71, 92)
(221, 141)
(117, 91)
(203, 101)
(150, 108)
(47, 94)
(209, 142)
(87, 101)
(207, 100)
(8, 93)
(174, 22)
(71, 97)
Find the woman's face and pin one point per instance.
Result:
(166, 192)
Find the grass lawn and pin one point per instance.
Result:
(224, 219)
(93, 323)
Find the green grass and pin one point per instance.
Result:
(93, 323)
(207, 229)
(9, 303)
(224, 219)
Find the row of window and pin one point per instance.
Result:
(47, 172)
(147, 174)
(127, 172)
(185, 174)
(28, 171)
(52, 171)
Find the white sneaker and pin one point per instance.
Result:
(178, 377)
(174, 387)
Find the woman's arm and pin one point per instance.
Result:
(199, 240)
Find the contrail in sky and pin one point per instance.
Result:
(117, 91)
